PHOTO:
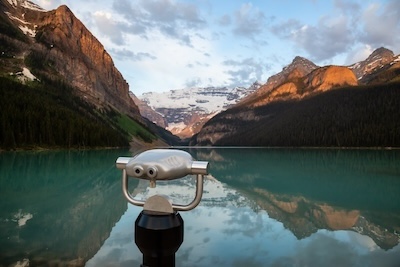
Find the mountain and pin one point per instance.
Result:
(300, 79)
(298, 68)
(185, 111)
(186, 116)
(297, 87)
(54, 55)
(380, 67)
(149, 113)
(62, 47)
(379, 58)
(305, 111)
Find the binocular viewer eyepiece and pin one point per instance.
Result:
(162, 164)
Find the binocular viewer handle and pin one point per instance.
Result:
(175, 207)
(162, 164)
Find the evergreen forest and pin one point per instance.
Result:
(363, 116)
(48, 114)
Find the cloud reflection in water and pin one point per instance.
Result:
(229, 229)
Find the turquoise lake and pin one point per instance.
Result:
(261, 207)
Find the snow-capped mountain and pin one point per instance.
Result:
(24, 8)
(379, 58)
(57, 45)
(186, 110)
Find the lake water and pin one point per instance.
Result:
(261, 207)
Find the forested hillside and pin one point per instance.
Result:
(367, 116)
(48, 114)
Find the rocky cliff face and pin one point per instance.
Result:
(296, 86)
(149, 113)
(61, 47)
(380, 67)
(375, 61)
(298, 68)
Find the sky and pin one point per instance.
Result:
(162, 45)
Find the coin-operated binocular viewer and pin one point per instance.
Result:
(159, 227)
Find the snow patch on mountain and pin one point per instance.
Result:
(376, 60)
(26, 27)
(188, 106)
(203, 100)
(25, 75)
(25, 4)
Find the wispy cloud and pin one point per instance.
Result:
(332, 36)
(176, 20)
(168, 44)
(381, 25)
(248, 21)
(124, 54)
(245, 71)
(348, 26)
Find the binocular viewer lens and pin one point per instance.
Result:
(162, 164)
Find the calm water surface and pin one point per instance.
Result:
(261, 207)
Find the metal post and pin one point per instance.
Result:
(158, 237)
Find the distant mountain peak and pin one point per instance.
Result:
(186, 110)
(376, 60)
(381, 51)
(298, 68)
(301, 60)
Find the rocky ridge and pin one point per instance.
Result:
(147, 112)
(318, 80)
(186, 110)
(63, 48)
(297, 87)
(298, 68)
(255, 111)
(297, 80)
(379, 58)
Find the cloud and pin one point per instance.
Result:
(348, 7)
(107, 26)
(246, 71)
(374, 26)
(124, 54)
(46, 4)
(381, 25)
(248, 21)
(286, 29)
(358, 54)
(194, 82)
(175, 20)
(332, 36)
(225, 20)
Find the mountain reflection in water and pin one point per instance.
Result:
(310, 189)
(279, 207)
(261, 207)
